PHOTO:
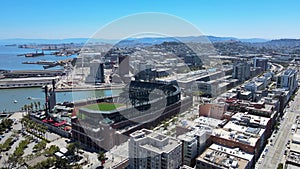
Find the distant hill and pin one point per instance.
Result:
(221, 39)
(157, 40)
(195, 39)
(280, 43)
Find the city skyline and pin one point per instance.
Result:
(59, 20)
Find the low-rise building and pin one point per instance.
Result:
(293, 158)
(213, 110)
(253, 121)
(221, 157)
(203, 123)
(248, 139)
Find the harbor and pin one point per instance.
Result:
(16, 59)
(26, 76)
(27, 96)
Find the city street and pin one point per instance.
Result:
(276, 149)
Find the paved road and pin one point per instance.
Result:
(276, 152)
(274, 155)
(60, 142)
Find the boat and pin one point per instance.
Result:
(35, 54)
(29, 98)
(15, 101)
(29, 62)
(11, 45)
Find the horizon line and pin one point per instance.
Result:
(242, 38)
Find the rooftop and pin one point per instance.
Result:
(294, 157)
(238, 133)
(289, 72)
(225, 157)
(295, 147)
(244, 129)
(208, 121)
(154, 142)
(262, 121)
(27, 79)
(190, 136)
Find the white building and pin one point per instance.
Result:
(193, 143)
(148, 149)
(288, 80)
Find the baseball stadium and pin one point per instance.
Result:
(103, 123)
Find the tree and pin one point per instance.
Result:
(198, 94)
(35, 105)
(39, 105)
(77, 166)
(77, 145)
(166, 124)
(6, 124)
(101, 157)
(71, 148)
(43, 130)
(62, 163)
(40, 146)
(12, 161)
(52, 149)
(31, 106)
(14, 133)
(280, 166)
(26, 107)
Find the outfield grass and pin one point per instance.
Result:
(104, 106)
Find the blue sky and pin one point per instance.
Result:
(269, 19)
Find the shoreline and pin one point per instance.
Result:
(68, 89)
(89, 89)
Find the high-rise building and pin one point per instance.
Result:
(96, 72)
(148, 149)
(288, 79)
(260, 62)
(123, 62)
(241, 71)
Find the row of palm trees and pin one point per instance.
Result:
(32, 106)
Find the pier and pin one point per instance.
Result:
(25, 82)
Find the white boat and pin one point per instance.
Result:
(15, 101)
